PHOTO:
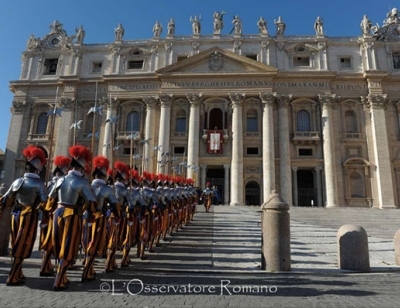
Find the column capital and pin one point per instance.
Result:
(283, 100)
(150, 101)
(227, 166)
(295, 168)
(166, 100)
(194, 98)
(268, 99)
(326, 100)
(377, 101)
(237, 98)
(317, 168)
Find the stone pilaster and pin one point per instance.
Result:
(203, 169)
(326, 102)
(194, 129)
(284, 149)
(268, 144)
(295, 188)
(237, 197)
(164, 133)
(380, 146)
(151, 103)
(227, 183)
(319, 185)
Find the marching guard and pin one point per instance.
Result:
(104, 195)
(126, 202)
(46, 245)
(67, 219)
(26, 194)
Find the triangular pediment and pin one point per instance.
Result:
(217, 61)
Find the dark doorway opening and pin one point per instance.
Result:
(216, 177)
(253, 193)
(306, 191)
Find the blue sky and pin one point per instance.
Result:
(20, 18)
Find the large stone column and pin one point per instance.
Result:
(381, 152)
(194, 129)
(284, 149)
(151, 103)
(268, 144)
(109, 129)
(226, 185)
(326, 102)
(164, 133)
(237, 197)
(64, 137)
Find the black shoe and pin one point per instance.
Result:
(60, 288)
(48, 274)
(16, 283)
(88, 279)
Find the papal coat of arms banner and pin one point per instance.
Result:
(214, 141)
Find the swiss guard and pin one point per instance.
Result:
(67, 220)
(46, 245)
(27, 194)
(118, 232)
(104, 195)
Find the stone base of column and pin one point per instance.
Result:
(387, 206)
(331, 205)
(236, 204)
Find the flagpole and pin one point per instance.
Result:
(51, 136)
(93, 131)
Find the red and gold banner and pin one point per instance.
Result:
(215, 141)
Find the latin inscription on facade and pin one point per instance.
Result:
(227, 84)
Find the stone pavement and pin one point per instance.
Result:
(215, 262)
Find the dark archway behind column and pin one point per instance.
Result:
(216, 176)
(253, 193)
(307, 193)
(216, 119)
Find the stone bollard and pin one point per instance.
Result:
(353, 253)
(275, 230)
(397, 247)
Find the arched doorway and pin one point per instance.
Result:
(253, 193)
(216, 119)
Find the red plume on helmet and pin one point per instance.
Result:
(101, 164)
(135, 176)
(80, 154)
(35, 156)
(122, 170)
(62, 164)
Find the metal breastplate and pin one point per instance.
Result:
(122, 194)
(70, 187)
(103, 192)
(30, 189)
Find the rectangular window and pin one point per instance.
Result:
(396, 60)
(50, 66)
(252, 151)
(301, 61)
(252, 125)
(180, 125)
(345, 62)
(96, 67)
(252, 56)
(305, 152)
(179, 150)
(135, 65)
